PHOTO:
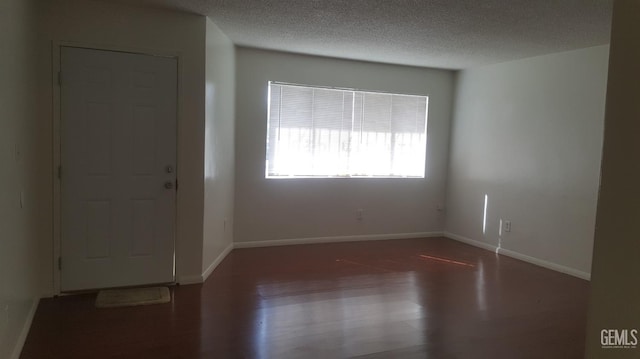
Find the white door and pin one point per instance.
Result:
(118, 173)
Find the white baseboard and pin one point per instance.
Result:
(197, 279)
(17, 350)
(546, 264)
(355, 238)
(216, 262)
(471, 242)
(523, 257)
(189, 279)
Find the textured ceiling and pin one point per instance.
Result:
(450, 34)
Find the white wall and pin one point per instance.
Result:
(528, 134)
(19, 276)
(306, 208)
(219, 145)
(117, 26)
(615, 300)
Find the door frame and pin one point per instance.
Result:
(56, 159)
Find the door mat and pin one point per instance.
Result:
(112, 298)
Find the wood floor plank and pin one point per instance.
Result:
(414, 298)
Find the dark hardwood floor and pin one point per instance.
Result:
(422, 298)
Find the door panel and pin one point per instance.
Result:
(118, 136)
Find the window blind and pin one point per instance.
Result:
(327, 132)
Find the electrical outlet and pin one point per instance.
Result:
(507, 226)
(359, 214)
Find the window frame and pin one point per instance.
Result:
(354, 90)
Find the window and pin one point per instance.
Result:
(328, 132)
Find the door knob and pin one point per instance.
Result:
(169, 169)
(168, 185)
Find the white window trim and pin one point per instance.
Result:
(353, 91)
